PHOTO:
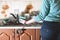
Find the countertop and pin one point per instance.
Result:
(21, 26)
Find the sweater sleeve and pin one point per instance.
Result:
(43, 12)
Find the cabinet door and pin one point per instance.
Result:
(12, 34)
(38, 36)
(28, 34)
(6, 34)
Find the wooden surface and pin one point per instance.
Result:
(11, 34)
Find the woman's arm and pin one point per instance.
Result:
(30, 21)
(43, 13)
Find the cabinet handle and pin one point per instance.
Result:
(20, 31)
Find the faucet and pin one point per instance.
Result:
(16, 17)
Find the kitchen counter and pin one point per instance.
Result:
(21, 26)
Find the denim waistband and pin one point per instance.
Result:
(51, 25)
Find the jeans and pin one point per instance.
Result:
(50, 30)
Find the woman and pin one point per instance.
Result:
(50, 15)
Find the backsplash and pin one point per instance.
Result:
(19, 5)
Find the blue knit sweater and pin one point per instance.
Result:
(50, 11)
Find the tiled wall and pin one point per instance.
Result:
(20, 5)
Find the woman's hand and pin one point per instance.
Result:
(30, 21)
(22, 21)
(27, 22)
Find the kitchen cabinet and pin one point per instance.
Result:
(6, 34)
(18, 34)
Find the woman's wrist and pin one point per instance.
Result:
(25, 22)
(30, 21)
